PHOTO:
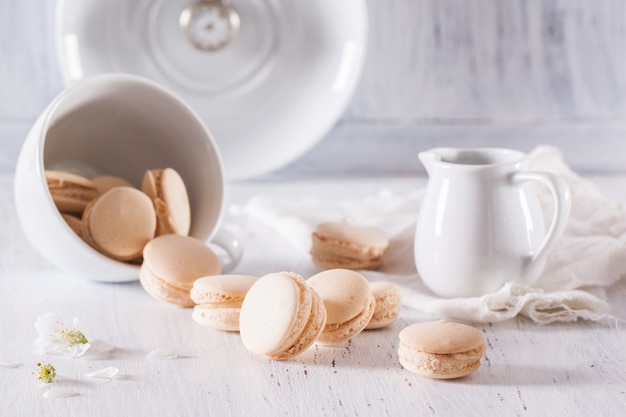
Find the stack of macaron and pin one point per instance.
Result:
(218, 300)
(347, 246)
(172, 263)
(283, 314)
(278, 315)
(117, 219)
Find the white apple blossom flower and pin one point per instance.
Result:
(57, 338)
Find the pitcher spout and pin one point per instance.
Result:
(429, 159)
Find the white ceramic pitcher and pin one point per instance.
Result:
(480, 224)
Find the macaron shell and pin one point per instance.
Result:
(149, 183)
(217, 317)
(168, 192)
(337, 333)
(70, 192)
(388, 304)
(344, 239)
(72, 201)
(327, 260)
(180, 260)
(221, 288)
(345, 293)
(61, 179)
(176, 198)
(274, 313)
(104, 183)
(442, 337)
(163, 290)
(311, 332)
(119, 223)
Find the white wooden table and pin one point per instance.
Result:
(574, 369)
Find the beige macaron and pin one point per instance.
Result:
(171, 264)
(104, 183)
(441, 349)
(348, 301)
(167, 190)
(119, 223)
(70, 192)
(388, 303)
(343, 245)
(281, 316)
(218, 300)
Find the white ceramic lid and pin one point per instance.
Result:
(268, 96)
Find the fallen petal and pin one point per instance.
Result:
(77, 351)
(59, 393)
(101, 346)
(7, 364)
(106, 373)
(165, 353)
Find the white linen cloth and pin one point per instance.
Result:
(589, 257)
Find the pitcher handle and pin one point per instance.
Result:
(560, 214)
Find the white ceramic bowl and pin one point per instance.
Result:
(120, 125)
(268, 96)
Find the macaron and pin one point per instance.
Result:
(119, 223)
(218, 300)
(167, 190)
(104, 183)
(441, 349)
(70, 192)
(171, 264)
(348, 301)
(343, 245)
(281, 316)
(388, 303)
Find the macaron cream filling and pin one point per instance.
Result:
(441, 365)
(338, 332)
(348, 301)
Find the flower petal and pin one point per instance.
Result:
(105, 373)
(58, 392)
(165, 353)
(47, 323)
(101, 346)
(57, 347)
(8, 364)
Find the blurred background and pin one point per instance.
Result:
(516, 73)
